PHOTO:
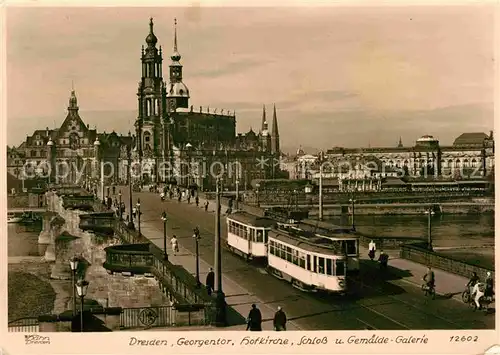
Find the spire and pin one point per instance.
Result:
(275, 123)
(400, 144)
(275, 136)
(73, 104)
(175, 55)
(263, 118)
(151, 39)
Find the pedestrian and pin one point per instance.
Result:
(383, 259)
(371, 250)
(279, 320)
(189, 198)
(197, 200)
(134, 212)
(254, 320)
(175, 245)
(114, 189)
(210, 282)
(206, 206)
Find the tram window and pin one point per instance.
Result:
(295, 257)
(339, 267)
(282, 252)
(252, 234)
(265, 235)
(321, 265)
(329, 267)
(289, 254)
(309, 262)
(315, 264)
(302, 261)
(259, 237)
(271, 247)
(351, 247)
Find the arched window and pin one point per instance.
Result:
(474, 163)
(466, 163)
(457, 163)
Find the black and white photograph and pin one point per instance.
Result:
(294, 169)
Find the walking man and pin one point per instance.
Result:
(175, 245)
(279, 320)
(206, 206)
(210, 282)
(254, 320)
(371, 249)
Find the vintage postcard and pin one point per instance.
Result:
(233, 178)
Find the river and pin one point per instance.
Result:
(447, 230)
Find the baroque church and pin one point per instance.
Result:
(175, 142)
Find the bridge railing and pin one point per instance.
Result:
(24, 325)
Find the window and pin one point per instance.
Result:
(329, 267)
(265, 235)
(339, 268)
(295, 257)
(308, 262)
(321, 265)
(315, 264)
(259, 237)
(288, 254)
(302, 260)
(271, 247)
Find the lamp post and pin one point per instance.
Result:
(138, 205)
(429, 213)
(73, 263)
(129, 173)
(196, 236)
(164, 219)
(220, 302)
(120, 205)
(257, 185)
(352, 201)
(320, 215)
(81, 288)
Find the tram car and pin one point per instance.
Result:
(247, 234)
(309, 262)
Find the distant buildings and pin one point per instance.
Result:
(470, 156)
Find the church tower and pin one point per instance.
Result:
(177, 92)
(150, 103)
(275, 136)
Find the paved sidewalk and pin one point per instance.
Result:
(237, 297)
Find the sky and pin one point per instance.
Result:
(339, 76)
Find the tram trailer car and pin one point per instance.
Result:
(247, 234)
(343, 239)
(308, 263)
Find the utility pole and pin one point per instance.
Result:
(320, 217)
(220, 302)
(429, 229)
(129, 173)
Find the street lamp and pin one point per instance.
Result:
(257, 185)
(138, 205)
(120, 205)
(196, 236)
(353, 201)
(81, 288)
(220, 302)
(429, 214)
(164, 219)
(73, 263)
(129, 173)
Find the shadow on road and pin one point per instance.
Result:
(233, 317)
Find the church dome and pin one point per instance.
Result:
(177, 89)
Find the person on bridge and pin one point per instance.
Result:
(383, 259)
(279, 321)
(162, 196)
(477, 293)
(197, 200)
(175, 245)
(429, 278)
(254, 320)
(210, 282)
(472, 281)
(488, 292)
(371, 250)
(206, 206)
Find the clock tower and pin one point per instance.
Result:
(177, 92)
